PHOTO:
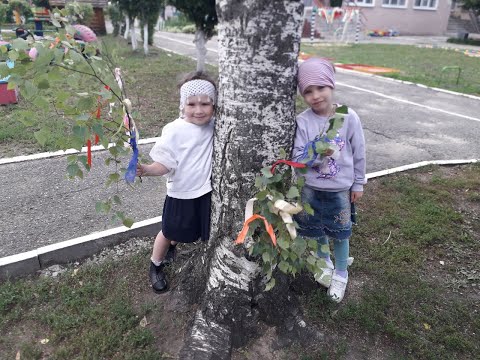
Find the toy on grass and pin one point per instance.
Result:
(84, 33)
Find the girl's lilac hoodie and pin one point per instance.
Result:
(343, 170)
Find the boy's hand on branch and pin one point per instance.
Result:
(355, 195)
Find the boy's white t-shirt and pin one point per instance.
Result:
(186, 150)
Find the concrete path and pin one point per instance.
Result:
(403, 124)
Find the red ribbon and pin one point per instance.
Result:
(89, 153)
(287, 162)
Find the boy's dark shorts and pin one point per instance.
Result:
(186, 220)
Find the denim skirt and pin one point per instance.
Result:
(187, 220)
(332, 215)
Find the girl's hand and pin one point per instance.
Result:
(328, 152)
(140, 170)
(355, 195)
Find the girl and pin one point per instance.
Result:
(334, 179)
(184, 154)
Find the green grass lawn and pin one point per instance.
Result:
(413, 290)
(418, 65)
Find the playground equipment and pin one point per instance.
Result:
(337, 24)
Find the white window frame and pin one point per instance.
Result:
(428, 8)
(362, 3)
(395, 6)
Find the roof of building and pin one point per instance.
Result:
(95, 3)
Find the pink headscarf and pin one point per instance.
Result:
(315, 71)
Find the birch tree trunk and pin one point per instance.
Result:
(133, 35)
(145, 38)
(258, 47)
(127, 27)
(200, 45)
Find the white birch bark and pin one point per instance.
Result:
(127, 27)
(133, 36)
(200, 42)
(259, 42)
(145, 39)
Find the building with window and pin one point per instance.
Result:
(408, 17)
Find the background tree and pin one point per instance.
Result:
(259, 42)
(148, 15)
(203, 14)
(116, 17)
(473, 6)
(80, 13)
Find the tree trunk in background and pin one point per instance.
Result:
(200, 42)
(127, 27)
(133, 34)
(145, 38)
(259, 42)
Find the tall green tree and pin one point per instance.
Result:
(204, 15)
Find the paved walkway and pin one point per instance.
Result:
(403, 124)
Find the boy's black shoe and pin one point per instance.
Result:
(157, 278)
(171, 254)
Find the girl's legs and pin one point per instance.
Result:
(160, 248)
(341, 249)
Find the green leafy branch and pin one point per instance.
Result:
(78, 83)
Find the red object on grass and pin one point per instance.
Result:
(7, 96)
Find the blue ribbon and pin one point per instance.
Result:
(132, 165)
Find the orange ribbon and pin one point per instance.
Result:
(241, 236)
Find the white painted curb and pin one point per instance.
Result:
(82, 247)
(46, 155)
(74, 249)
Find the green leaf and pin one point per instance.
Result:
(300, 181)
(85, 104)
(98, 206)
(72, 170)
(283, 243)
(20, 44)
(284, 266)
(320, 147)
(266, 172)
(42, 136)
(282, 153)
(55, 22)
(262, 195)
(116, 200)
(128, 222)
(299, 246)
(270, 285)
(292, 193)
(266, 257)
(325, 248)
(311, 260)
(308, 209)
(312, 244)
(112, 178)
(342, 109)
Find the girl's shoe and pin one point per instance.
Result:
(157, 278)
(337, 288)
(324, 278)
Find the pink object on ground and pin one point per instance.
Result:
(84, 33)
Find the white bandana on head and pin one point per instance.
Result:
(194, 88)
